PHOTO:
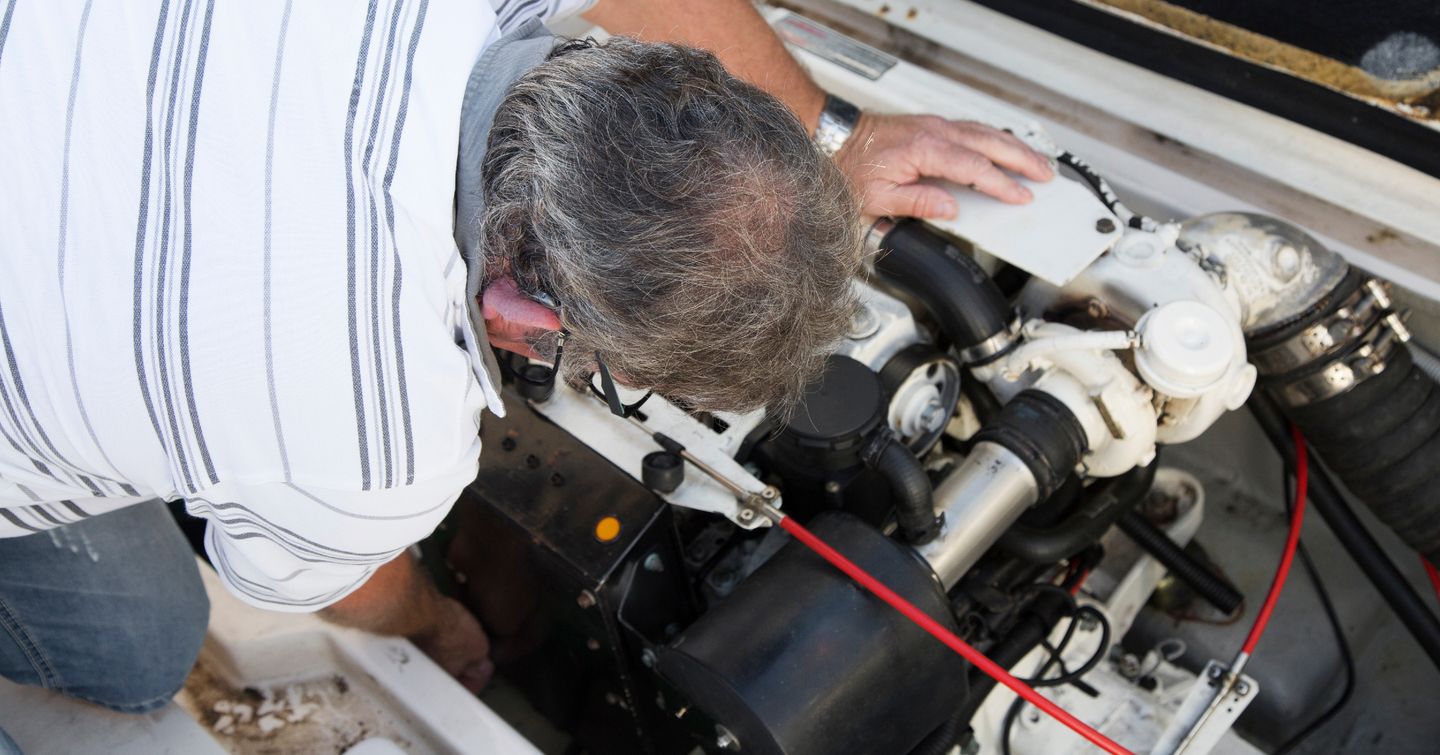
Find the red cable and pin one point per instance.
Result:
(1432, 574)
(1297, 517)
(946, 636)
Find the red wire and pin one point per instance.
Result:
(1297, 517)
(1432, 574)
(946, 636)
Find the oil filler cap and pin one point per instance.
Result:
(838, 411)
(1186, 348)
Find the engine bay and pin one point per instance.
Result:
(990, 442)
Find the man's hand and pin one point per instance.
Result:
(399, 600)
(888, 154)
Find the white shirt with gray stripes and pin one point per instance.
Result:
(228, 274)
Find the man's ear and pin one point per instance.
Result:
(514, 321)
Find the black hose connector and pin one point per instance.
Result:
(1044, 433)
(956, 291)
(1325, 497)
(1208, 585)
(910, 487)
(1100, 507)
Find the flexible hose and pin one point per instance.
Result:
(911, 612)
(910, 488)
(1215, 590)
(962, 298)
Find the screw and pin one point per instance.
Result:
(832, 487)
(1216, 672)
(1242, 689)
(586, 599)
(557, 479)
(1105, 225)
(746, 514)
(647, 657)
(508, 444)
(726, 740)
(532, 461)
(1096, 308)
(683, 710)
(654, 563)
(592, 643)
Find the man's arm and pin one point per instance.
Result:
(885, 156)
(401, 601)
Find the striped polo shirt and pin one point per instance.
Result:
(228, 274)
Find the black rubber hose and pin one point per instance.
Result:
(956, 291)
(1208, 585)
(1382, 438)
(1098, 509)
(1328, 501)
(1043, 432)
(910, 488)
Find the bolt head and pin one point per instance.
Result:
(586, 599)
(654, 563)
(1105, 225)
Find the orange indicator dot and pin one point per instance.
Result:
(607, 529)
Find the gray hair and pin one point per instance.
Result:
(693, 235)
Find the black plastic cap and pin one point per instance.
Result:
(662, 471)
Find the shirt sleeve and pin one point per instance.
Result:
(284, 547)
(511, 13)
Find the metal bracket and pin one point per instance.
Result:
(1216, 700)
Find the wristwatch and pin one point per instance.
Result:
(837, 122)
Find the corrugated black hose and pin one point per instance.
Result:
(910, 487)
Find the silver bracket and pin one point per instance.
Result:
(1218, 697)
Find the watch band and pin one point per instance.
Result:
(837, 122)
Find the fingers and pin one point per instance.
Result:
(910, 200)
(1003, 149)
(942, 158)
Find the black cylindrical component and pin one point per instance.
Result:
(1325, 497)
(662, 471)
(1208, 585)
(910, 487)
(801, 661)
(1043, 432)
(954, 288)
(1100, 506)
(835, 417)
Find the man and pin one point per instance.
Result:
(240, 268)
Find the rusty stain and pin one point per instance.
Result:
(1414, 98)
(884, 9)
(912, 14)
(1382, 235)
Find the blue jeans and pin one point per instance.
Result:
(110, 610)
